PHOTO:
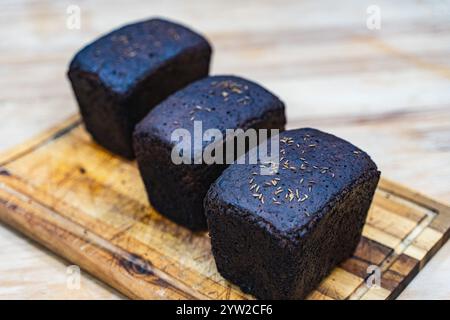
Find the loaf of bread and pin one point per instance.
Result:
(278, 236)
(218, 102)
(120, 77)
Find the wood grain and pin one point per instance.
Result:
(89, 206)
(384, 90)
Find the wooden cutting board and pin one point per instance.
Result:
(90, 207)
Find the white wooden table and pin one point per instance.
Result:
(386, 90)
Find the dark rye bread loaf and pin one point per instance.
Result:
(120, 77)
(222, 102)
(278, 236)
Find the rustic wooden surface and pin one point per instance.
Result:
(89, 206)
(385, 90)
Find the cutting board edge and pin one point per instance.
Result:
(8, 209)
